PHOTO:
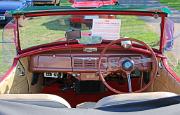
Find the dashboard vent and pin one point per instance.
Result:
(78, 63)
(89, 63)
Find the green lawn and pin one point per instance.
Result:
(172, 3)
(173, 62)
(177, 69)
(134, 27)
(2, 65)
(42, 30)
(7, 53)
(64, 3)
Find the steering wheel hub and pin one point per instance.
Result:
(128, 65)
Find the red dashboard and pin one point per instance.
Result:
(57, 62)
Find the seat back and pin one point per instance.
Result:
(47, 100)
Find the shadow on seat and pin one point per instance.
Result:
(46, 100)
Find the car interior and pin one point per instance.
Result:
(82, 74)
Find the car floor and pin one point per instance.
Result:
(75, 98)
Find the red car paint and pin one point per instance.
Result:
(91, 3)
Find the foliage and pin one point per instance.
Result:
(172, 3)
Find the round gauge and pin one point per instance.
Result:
(128, 65)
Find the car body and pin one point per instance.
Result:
(91, 3)
(111, 68)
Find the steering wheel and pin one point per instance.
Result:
(127, 65)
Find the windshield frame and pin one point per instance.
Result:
(160, 14)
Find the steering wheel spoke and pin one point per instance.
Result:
(129, 83)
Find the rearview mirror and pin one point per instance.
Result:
(73, 34)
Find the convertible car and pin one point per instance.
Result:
(117, 66)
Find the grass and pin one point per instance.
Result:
(42, 30)
(172, 3)
(1, 63)
(173, 62)
(3, 66)
(177, 69)
(65, 3)
(7, 53)
(134, 27)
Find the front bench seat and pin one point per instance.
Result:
(46, 100)
(131, 98)
(125, 98)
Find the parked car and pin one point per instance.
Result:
(7, 5)
(78, 19)
(91, 3)
(45, 2)
(112, 68)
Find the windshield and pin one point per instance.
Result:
(42, 30)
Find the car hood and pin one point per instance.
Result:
(9, 5)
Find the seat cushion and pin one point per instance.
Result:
(131, 97)
(47, 100)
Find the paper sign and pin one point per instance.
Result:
(108, 29)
